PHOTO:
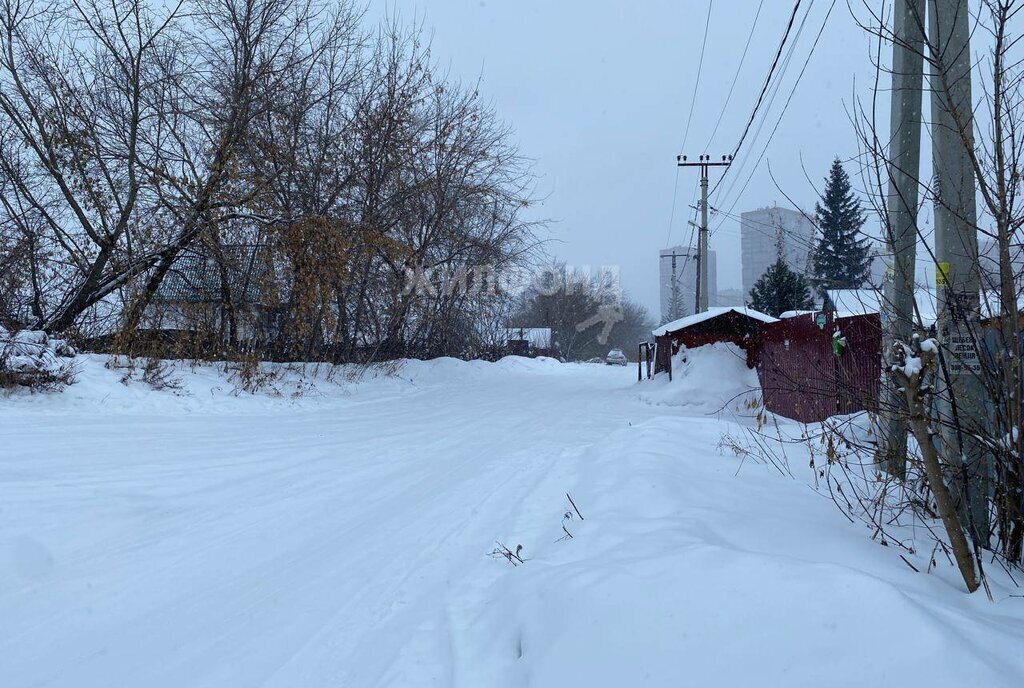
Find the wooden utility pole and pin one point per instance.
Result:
(703, 162)
(904, 165)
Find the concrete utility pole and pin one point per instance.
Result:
(696, 291)
(704, 162)
(674, 283)
(956, 247)
(904, 166)
(703, 246)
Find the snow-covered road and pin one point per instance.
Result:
(341, 539)
(272, 544)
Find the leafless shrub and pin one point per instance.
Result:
(159, 374)
(250, 376)
(155, 372)
(39, 380)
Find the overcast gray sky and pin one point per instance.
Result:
(599, 93)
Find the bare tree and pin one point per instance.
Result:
(274, 152)
(80, 97)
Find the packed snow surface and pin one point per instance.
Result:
(337, 532)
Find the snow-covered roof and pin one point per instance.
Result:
(710, 313)
(538, 337)
(863, 301)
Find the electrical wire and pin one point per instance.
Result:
(764, 86)
(739, 166)
(672, 213)
(785, 107)
(735, 77)
(689, 120)
(769, 230)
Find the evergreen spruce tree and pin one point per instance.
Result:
(779, 290)
(842, 258)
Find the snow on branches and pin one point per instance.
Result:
(31, 358)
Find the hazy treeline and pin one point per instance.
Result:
(588, 313)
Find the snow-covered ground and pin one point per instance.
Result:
(341, 537)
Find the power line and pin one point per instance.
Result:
(770, 230)
(689, 120)
(736, 76)
(769, 103)
(672, 213)
(785, 107)
(770, 100)
(764, 87)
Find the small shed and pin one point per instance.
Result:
(737, 324)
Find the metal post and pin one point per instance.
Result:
(904, 165)
(956, 248)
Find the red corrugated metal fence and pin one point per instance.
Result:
(802, 376)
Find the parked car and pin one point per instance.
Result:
(616, 357)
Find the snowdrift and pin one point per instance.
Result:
(685, 572)
(113, 385)
(711, 379)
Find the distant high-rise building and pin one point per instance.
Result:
(880, 262)
(770, 233)
(988, 262)
(684, 279)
